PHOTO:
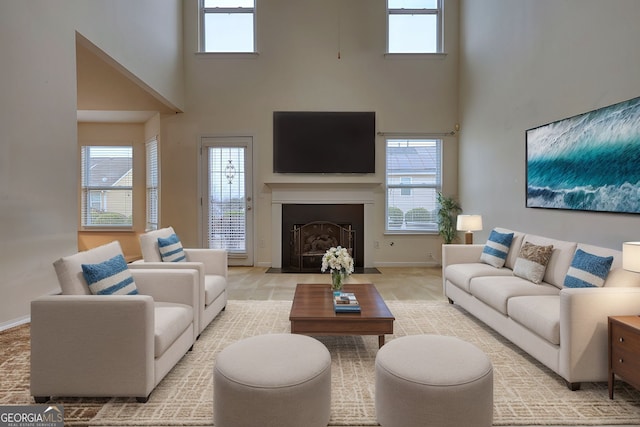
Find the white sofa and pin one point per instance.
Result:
(110, 345)
(563, 328)
(212, 267)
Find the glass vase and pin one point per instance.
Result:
(337, 280)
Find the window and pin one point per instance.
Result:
(151, 149)
(413, 181)
(414, 26)
(227, 26)
(107, 186)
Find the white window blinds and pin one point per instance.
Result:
(107, 186)
(414, 177)
(151, 149)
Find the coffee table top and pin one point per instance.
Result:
(315, 301)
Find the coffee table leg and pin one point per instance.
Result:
(380, 341)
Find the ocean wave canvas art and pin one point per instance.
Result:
(589, 162)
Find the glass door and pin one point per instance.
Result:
(227, 201)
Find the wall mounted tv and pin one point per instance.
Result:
(324, 142)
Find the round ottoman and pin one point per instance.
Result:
(433, 380)
(272, 380)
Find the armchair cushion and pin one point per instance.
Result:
(69, 268)
(170, 249)
(111, 277)
(149, 243)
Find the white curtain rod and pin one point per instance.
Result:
(418, 134)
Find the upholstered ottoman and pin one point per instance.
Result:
(279, 380)
(433, 380)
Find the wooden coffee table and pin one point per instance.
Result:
(312, 312)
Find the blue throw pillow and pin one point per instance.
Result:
(111, 277)
(171, 249)
(496, 249)
(587, 270)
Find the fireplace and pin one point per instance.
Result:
(320, 198)
(308, 230)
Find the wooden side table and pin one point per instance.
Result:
(624, 350)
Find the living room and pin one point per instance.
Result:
(509, 66)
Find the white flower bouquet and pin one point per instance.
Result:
(338, 260)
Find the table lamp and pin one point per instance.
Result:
(469, 224)
(631, 256)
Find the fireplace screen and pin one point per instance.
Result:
(309, 242)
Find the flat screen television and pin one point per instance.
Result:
(324, 142)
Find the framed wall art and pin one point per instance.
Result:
(588, 162)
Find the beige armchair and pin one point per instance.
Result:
(211, 264)
(110, 345)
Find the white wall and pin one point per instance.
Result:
(526, 63)
(38, 136)
(298, 69)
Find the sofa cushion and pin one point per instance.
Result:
(560, 258)
(497, 290)
(171, 320)
(587, 270)
(496, 249)
(461, 274)
(171, 249)
(110, 277)
(532, 262)
(214, 286)
(539, 314)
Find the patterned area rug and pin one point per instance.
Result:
(525, 392)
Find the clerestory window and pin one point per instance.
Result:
(414, 178)
(227, 26)
(414, 26)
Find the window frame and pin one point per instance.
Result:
(438, 11)
(404, 186)
(203, 11)
(87, 191)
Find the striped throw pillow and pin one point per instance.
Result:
(171, 249)
(111, 277)
(532, 261)
(587, 270)
(496, 249)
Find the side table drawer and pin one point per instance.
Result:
(624, 353)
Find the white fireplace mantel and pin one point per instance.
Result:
(321, 193)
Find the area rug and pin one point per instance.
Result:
(525, 392)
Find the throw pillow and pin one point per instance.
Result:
(587, 270)
(171, 249)
(111, 277)
(532, 262)
(496, 249)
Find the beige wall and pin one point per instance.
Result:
(298, 69)
(38, 129)
(526, 63)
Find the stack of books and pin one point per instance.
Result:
(346, 302)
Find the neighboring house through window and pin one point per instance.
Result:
(414, 26)
(153, 184)
(107, 186)
(413, 179)
(227, 26)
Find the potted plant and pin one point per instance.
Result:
(448, 210)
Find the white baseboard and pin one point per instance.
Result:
(408, 264)
(14, 322)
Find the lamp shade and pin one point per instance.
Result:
(469, 222)
(631, 256)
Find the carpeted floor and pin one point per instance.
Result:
(525, 392)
